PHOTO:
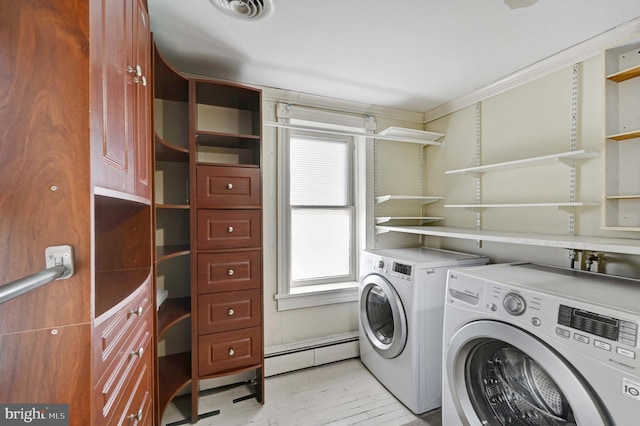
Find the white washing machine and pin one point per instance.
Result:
(401, 303)
(526, 344)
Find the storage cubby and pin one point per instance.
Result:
(122, 250)
(227, 123)
(621, 207)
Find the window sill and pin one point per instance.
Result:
(318, 295)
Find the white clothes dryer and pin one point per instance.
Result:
(400, 310)
(527, 344)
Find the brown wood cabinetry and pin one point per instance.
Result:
(121, 96)
(74, 167)
(208, 204)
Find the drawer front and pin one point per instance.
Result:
(228, 351)
(112, 385)
(229, 271)
(113, 332)
(227, 186)
(135, 405)
(229, 229)
(229, 311)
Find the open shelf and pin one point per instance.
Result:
(625, 74)
(424, 219)
(175, 373)
(625, 136)
(563, 156)
(606, 245)
(559, 205)
(167, 252)
(171, 312)
(166, 151)
(401, 134)
(420, 198)
(114, 287)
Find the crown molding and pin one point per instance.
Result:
(578, 53)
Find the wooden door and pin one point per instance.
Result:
(113, 72)
(44, 201)
(142, 118)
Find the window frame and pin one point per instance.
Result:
(322, 292)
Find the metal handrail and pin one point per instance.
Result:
(23, 285)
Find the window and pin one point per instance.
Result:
(320, 187)
(321, 226)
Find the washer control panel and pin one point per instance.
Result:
(514, 304)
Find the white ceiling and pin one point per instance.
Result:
(411, 54)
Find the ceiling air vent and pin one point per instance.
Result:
(250, 10)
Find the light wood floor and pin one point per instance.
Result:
(342, 393)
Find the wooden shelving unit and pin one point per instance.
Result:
(622, 145)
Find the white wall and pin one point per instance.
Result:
(300, 325)
(527, 121)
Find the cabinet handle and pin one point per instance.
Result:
(138, 353)
(137, 312)
(131, 70)
(140, 80)
(230, 312)
(229, 186)
(231, 352)
(230, 229)
(137, 416)
(230, 272)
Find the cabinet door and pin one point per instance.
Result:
(142, 122)
(112, 84)
(120, 119)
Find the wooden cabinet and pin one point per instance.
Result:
(621, 208)
(227, 230)
(69, 171)
(121, 96)
(208, 216)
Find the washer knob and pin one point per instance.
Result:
(514, 304)
(380, 264)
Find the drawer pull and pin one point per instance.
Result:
(231, 352)
(230, 229)
(230, 272)
(229, 186)
(137, 416)
(137, 312)
(138, 353)
(230, 312)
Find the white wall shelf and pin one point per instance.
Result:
(562, 157)
(424, 219)
(401, 134)
(475, 207)
(599, 244)
(397, 134)
(420, 198)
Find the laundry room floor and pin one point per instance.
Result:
(342, 393)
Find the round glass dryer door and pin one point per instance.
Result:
(501, 375)
(382, 316)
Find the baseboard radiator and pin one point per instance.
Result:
(310, 353)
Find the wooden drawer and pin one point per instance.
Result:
(221, 353)
(111, 334)
(230, 310)
(229, 229)
(227, 186)
(229, 271)
(135, 405)
(112, 385)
